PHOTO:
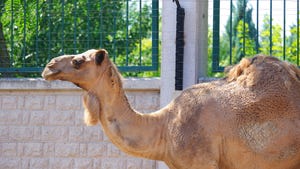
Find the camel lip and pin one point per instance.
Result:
(50, 74)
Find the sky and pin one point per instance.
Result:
(264, 8)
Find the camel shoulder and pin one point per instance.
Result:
(193, 100)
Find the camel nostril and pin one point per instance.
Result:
(77, 63)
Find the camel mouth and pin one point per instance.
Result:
(50, 74)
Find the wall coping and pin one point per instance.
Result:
(41, 84)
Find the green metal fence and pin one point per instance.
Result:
(33, 32)
(252, 27)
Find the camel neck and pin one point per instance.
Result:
(133, 132)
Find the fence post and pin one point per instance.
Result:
(195, 49)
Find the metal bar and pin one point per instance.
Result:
(101, 23)
(216, 36)
(88, 25)
(244, 30)
(137, 68)
(37, 33)
(40, 69)
(127, 31)
(12, 32)
(257, 25)
(284, 27)
(49, 31)
(230, 33)
(140, 34)
(114, 33)
(63, 25)
(120, 68)
(24, 34)
(271, 26)
(155, 37)
(21, 70)
(75, 27)
(298, 32)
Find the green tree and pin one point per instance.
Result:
(223, 52)
(265, 35)
(243, 31)
(245, 44)
(50, 28)
(292, 46)
(4, 55)
(243, 35)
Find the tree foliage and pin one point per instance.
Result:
(243, 30)
(292, 50)
(266, 44)
(40, 30)
(246, 42)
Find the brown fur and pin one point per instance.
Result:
(248, 70)
(249, 120)
(91, 109)
(91, 104)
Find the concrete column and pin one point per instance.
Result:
(168, 51)
(195, 49)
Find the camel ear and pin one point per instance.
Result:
(99, 56)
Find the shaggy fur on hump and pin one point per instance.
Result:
(250, 70)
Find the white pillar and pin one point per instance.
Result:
(195, 49)
(168, 51)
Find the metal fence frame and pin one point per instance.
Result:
(123, 68)
(216, 33)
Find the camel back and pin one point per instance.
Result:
(262, 88)
(264, 69)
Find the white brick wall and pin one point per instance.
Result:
(41, 126)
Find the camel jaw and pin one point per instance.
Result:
(50, 74)
(54, 68)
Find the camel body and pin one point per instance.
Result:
(248, 120)
(218, 128)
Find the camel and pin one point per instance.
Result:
(248, 120)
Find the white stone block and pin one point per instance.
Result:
(69, 150)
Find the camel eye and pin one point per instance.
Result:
(77, 63)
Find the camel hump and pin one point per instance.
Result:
(263, 69)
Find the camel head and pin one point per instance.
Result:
(84, 69)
